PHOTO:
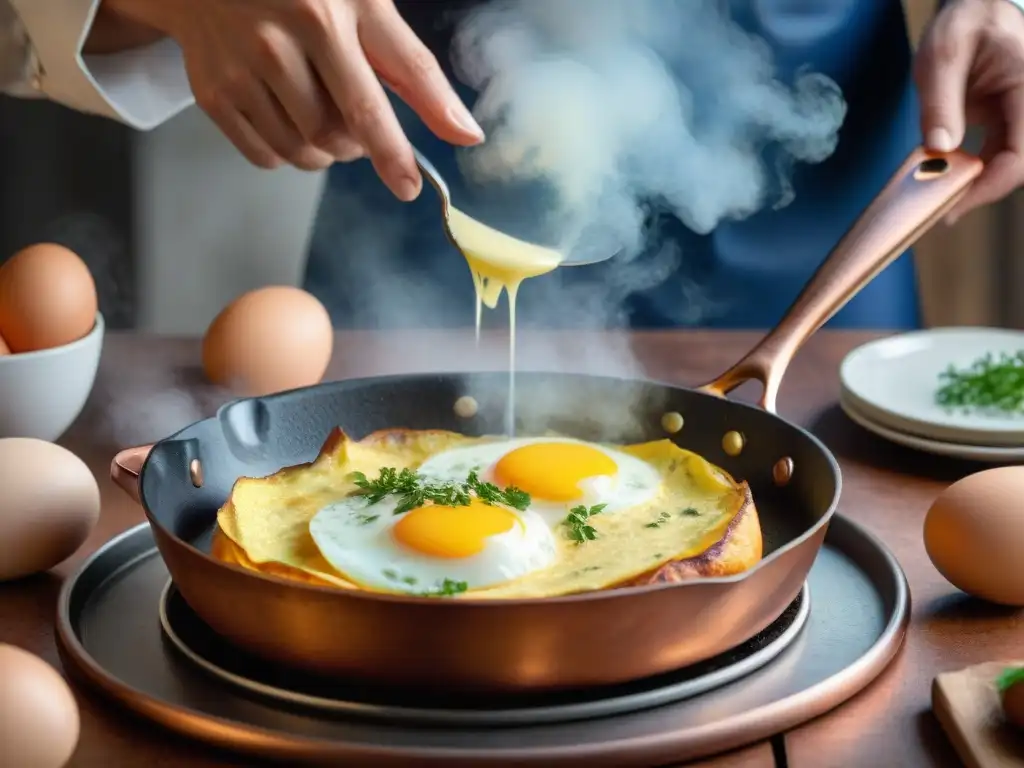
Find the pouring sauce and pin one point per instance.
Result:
(499, 262)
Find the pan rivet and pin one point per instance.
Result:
(466, 407)
(195, 472)
(672, 422)
(782, 472)
(732, 443)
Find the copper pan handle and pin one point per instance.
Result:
(126, 467)
(921, 192)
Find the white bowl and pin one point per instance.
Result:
(42, 393)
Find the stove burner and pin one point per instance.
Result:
(198, 643)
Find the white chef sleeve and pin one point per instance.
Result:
(143, 87)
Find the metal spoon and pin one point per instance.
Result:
(440, 186)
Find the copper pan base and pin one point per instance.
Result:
(110, 638)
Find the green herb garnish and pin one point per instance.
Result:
(489, 493)
(364, 519)
(576, 521)
(1009, 677)
(988, 382)
(388, 482)
(415, 491)
(447, 588)
(663, 518)
(690, 512)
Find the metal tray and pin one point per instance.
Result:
(204, 648)
(110, 636)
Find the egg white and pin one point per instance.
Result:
(355, 538)
(636, 481)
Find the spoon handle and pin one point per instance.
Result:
(433, 176)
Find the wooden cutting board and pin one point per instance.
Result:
(966, 704)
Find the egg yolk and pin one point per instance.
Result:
(553, 471)
(452, 532)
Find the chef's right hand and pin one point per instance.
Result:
(296, 81)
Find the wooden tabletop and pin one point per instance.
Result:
(149, 387)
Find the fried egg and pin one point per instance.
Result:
(432, 547)
(558, 473)
(399, 511)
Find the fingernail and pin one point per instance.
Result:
(407, 188)
(939, 139)
(461, 116)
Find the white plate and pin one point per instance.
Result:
(985, 453)
(893, 382)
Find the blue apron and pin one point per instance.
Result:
(379, 263)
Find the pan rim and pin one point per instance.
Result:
(482, 604)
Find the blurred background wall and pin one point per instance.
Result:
(175, 224)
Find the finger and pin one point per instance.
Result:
(1003, 154)
(354, 87)
(334, 136)
(246, 139)
(267, 116)
(293, 82)
(342, 146)
(412, 71)
(941, 70)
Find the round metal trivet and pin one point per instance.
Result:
(110, 638)
(204, 648)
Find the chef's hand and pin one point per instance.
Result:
(970, 69)
(296, 81)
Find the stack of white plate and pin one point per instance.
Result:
(888, 387)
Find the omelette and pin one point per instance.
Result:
(437, 513)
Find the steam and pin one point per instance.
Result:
(621, 106)
(160, 398)
(601, 117)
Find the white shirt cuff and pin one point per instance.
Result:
(143, 87)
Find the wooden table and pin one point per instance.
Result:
(149, 387)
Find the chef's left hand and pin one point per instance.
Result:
(970, 70)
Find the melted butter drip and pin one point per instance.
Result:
(499, 262)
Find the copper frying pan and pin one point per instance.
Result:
(514, 646)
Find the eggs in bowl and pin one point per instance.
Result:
(436, 513)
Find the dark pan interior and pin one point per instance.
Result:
(256, 437)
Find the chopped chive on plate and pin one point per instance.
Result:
(894, 382)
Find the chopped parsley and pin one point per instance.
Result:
(663, 518)
(388, 482)
(989, 382)
(1009, 677)
(489, 493)
(364, 519)
(580, 530)
(392, 575)
(447, 588)
(414, 491)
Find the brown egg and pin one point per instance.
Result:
(49, 504)
(1013, 704)
(974, 535)
(47, 298)
(39, 721)
(269, 340)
